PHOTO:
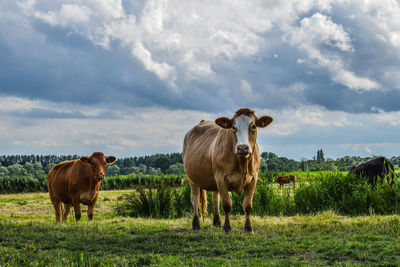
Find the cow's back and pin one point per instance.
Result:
(58, 181)
(197, 154)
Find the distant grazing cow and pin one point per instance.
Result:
(77, 181)
(223, 156)
(281, 180)
(378, 167)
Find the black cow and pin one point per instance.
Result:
(378, 167)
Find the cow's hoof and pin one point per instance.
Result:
(248, 229)
(217, 221)
(196, 223)
(90, 217)
(227, 229)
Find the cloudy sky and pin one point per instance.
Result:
(131, 77)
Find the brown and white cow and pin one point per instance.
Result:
(223, 156)
(77, 181)
(281, 180)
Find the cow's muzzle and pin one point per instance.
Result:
(100, 176)
(243, 149)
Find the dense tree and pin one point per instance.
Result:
(320, 156)
(17, 170)
(3, 171)
(176, 168)
(112, 170)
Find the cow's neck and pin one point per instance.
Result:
(88, 176)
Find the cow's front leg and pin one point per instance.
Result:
(215, 200)
(226, 203)
(77, 208)
(195, 196)
(248, 203)
(91, 205)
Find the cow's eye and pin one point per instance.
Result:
(253, 127)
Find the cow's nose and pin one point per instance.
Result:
(100, 176)
(243, 149)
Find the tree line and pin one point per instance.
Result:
(272, 162)
(37, 166)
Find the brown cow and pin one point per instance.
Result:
(222, 157)
(77, 181)
(281, 180)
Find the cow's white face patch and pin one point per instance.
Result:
(242, 125)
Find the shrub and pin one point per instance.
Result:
(22, 184)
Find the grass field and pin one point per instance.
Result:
(29, 235)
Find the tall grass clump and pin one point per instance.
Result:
(165, 201)
(268, 201)
(346, 194)
(162, 201)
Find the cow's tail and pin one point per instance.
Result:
(203, 203)
(390, 172)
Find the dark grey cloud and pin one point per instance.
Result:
(132, 77)
(60, 63)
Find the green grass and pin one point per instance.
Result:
(30, 236)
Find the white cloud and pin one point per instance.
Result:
(292, 120)
(17, 104)
(385, 16)
(69, 14)
(11, 104)
(319, 31)
(162, 70)
(358, 84)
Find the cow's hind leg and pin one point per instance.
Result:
(248, 203)
(58, 208)
(215, 200)
(67, 208)
(195, 202)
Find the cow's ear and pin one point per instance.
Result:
(85, 160)
(111, 159)
(264, 121)
(224, 122)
